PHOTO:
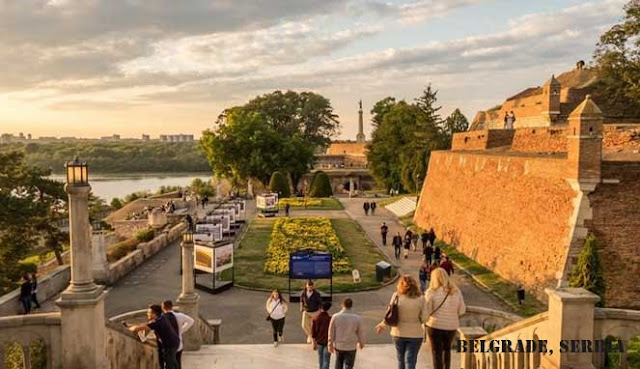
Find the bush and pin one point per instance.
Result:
(28, 267)
(145, 235)
(321, 186)
(280, 184)
(120, 250)
(116, 203)
(587, 273)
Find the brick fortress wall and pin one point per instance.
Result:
(509, 213)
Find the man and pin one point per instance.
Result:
(373, 207)
(424, 237)
(168, 338)
(428, 253)
(366, 208)
(346, 332)
(34, 289)
(310, 303)
(183, 323)
(25, 294)
(447, 265)
(407, 243)
(320, 329)
(383, 231)
(397, 245)
(286, 209)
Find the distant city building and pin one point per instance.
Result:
(6, 138)
(110, 138)
(68, 138)
(176, 138)
(145, 137)
(47, 138)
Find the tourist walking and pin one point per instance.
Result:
(424, 237)
(383, 232)
(414, 241)
(437, 253)
(447, 265)
(444, 305)
(407, 243)
(346, 333)
(168, 338)
(428, 253)
(276, 312)
(397, 245)
(183, 323)
(34, 289)
(423, 275)
(25, 294)
(432, 237)
(408, 333)
(373, 207)
(366, 207)
(287, 207)
(320, 330)
(310, 303)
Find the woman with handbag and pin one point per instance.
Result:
(277, 310)
(406, 315)
(444, 305)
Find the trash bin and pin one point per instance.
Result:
(383, 269)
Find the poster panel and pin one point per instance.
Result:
(203, 237)
(310, 266)
(224, 257)
(267, 201)
(203, 258)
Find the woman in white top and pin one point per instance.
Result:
(277, 309)
(444, 306)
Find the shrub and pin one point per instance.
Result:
(121, 249)
(321, 186)
(280, 184)
(28, 267)
(116, 203)
(587, 273)
(145, 235)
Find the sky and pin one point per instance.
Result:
(91, 68)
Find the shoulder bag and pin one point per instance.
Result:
(391, 316)
(272, 310)
(442, 303)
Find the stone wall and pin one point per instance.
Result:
(25, 329)
(48, 286)
(124, 350)
(510, 213)
(540, 139)
(616, 225)
(482, 140)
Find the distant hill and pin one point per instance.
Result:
(115, 157)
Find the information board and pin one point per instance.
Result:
(267, 201)
(310, 266)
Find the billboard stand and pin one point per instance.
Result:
(214, 269)
(267, 204)
(310, 264)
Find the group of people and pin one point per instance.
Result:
(204, 201)
(29, 292)
(169, 207)
(420, 312)
(369, 206)
(509, 119)
(168, 326)
(410, 242)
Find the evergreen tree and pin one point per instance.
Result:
(280, 184)
(587, 273)
(456, 122)
(321, 185)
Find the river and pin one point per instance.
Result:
(108, 186)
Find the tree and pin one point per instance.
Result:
(617, 56)
(116, 203)
(380, 109)
(280, 184)
(456, 122)
(426, 104)
(587, 273)
(277, 131)
(202, 188)
(321, 185)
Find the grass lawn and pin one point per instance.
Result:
(326, 203)
(250, 257)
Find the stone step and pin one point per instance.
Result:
(294, 356)
(404, 206)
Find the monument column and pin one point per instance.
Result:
(189, 300)
(360, 136)
(83, 333)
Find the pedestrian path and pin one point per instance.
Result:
(295, 356)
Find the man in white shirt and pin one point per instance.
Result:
(184, 321)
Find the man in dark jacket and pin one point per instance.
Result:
(165, 331)
(428, 253)
(320, 332)
(424, 237)
(373, 207)
(34, 289)
(25, 294)
(383, 231)
(397, 244)
(310, 304)
(366, 207)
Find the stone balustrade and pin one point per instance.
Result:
(31, 341)
(124, 349)
(615, 324)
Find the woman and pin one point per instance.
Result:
(277, 309)
(444, 306)
(412, 313)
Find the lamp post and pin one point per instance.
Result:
(189, 299)
(82, 303)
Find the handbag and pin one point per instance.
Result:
(269, 318)
(391, 315)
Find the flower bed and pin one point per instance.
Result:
(299, 202)
(295, 234)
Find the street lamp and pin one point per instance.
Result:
(187, 237)
(77, 173)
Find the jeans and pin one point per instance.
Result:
(441, 347)
(384, 239)
(34, 299)
(407, 351)
(423, 285)
(26, 304)
(323, 356)
(277, 325)
(397, 251)
(170, 359)
(345, 359)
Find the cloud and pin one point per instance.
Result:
(416, 11)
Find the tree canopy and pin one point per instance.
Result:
(274, 132)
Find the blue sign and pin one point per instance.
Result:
(309, 266)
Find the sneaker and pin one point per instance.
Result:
(275, 344)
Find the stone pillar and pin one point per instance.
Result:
(157, 218)
(250, 189)
(469, 333)
(99, 251)
(189, 300)
(351, 191)
(83, 334)
(571, 312)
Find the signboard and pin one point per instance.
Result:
(224, 257)
(224, 220)
(203, 258)
(267, 201)
(227, 212)
(210, 228)
(309, 266)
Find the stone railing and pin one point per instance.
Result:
(48, 286)
(615, 324)
(489, 319)
(124, 349)
(31, 341)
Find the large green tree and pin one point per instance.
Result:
(455, 122)
(618, 58)
(274, 132)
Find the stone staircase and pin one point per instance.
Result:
(404, 206)
(294, 356)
